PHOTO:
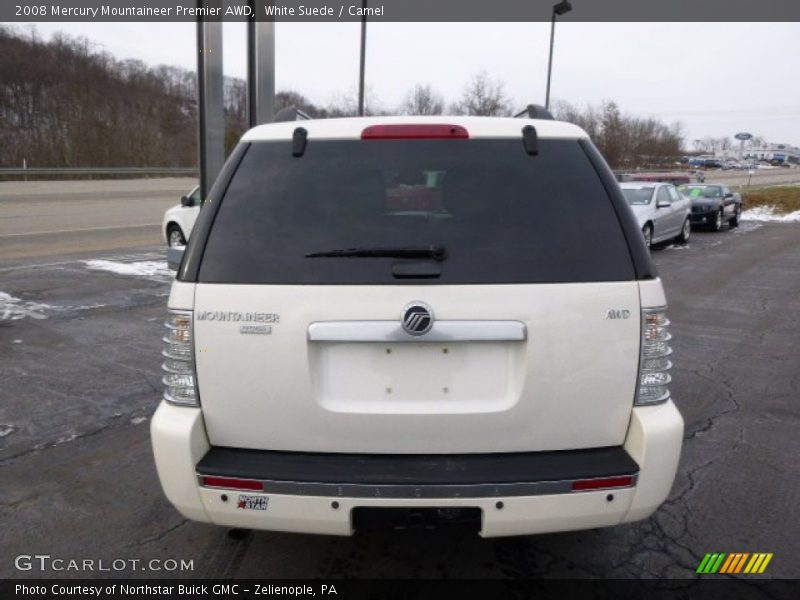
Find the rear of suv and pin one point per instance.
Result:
(447, 313)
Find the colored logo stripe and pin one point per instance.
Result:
(758, 563)
(721, 562)
(711, 563)
(734, 563)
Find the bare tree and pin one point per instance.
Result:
(625, 141)
(714, 145)
(63, 103)
(585, 118)
(422, 100)
(483, 96)
(346, 104)
(289, 98)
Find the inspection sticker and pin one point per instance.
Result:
(252, 502)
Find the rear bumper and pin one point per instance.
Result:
(516, 493)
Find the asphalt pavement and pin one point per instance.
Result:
(57, 218)
(80, 377)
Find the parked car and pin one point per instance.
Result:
(697, 163)
(179, 220)
(408, 322)
(713, 205)
(661, 211)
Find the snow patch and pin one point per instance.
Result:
(138, 420)
(6, 429)
(767, 213)
(89, 306)
(153, 269)
(13, 309)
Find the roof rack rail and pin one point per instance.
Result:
(291, 113)
(535, 111)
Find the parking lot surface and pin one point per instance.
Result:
(80, 342)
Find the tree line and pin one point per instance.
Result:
(726, 144)
(65, 104)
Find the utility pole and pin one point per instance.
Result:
(363, 58)
(260, 72)
(210, 101)
(561, 8)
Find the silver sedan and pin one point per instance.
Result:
(662, 211)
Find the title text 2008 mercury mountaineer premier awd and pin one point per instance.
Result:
(450, 315)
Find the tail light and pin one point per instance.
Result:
(604, 483)
(232, 483)
(178, 366)
(654, 362)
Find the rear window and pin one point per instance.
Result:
(636, 196)
(502, 216)
(702, 191)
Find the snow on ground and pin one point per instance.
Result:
(153, 269)
(767, 213)
(88, 306)
(13, 309)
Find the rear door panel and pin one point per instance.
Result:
(569, 385)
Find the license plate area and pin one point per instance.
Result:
(423, 378)
(415, 518)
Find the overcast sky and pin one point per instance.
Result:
(716, 79)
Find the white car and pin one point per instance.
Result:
(662, 212)
(408, 323)
(179, 220)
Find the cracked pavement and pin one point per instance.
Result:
(78, 479)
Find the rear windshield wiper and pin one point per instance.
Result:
(438, 253)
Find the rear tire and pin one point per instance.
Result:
(175, 236)
(647, 233)
(686, 231)
(718, 221)
(737, 217)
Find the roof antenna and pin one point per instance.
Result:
(530, 140)
(299, 138)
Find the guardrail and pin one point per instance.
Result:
(14, 171)
(737, 178)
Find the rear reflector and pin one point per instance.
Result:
(233, 484)
(602, 484)
(415, 132)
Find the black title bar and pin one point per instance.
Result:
(399, 10)
(416, 589)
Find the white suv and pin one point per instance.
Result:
(449, 315)
(179, 219)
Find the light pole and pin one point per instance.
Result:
(362, 60)
(559, 9)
